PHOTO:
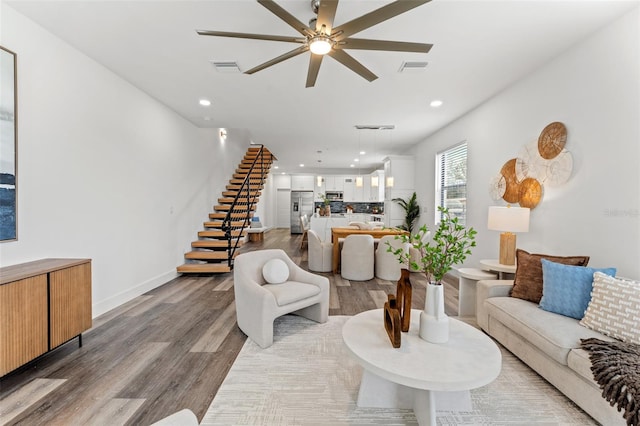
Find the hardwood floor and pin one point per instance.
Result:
(166, 350)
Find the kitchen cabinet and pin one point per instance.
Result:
(349, 187)
(302, 182)
(43, 304)
(334, 183)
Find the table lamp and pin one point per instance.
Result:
(509, 220)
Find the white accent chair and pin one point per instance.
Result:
(357, 258)
(258, 304)
(320, 253)
(387, 265)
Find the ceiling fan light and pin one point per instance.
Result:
(320, 45)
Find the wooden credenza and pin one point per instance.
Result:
(43, 304)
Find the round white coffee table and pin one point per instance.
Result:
(407, 377)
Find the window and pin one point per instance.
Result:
(451, 181)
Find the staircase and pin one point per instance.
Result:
(224, 233)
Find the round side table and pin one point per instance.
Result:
(467, 291)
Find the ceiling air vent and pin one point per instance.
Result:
(413, 66)
(226, 66)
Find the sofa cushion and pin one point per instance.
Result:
(553, 334)
(292, 291)
(614, 308)
(578, 360)
(566, 289)
(527, 283)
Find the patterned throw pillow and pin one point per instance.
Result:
(614, 309)
(566, 289)
(527, 283)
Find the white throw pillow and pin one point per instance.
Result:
(275, 271)
(614, 308)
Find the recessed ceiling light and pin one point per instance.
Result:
(436, 103)
(356, 159)
(301, 165)
(205, 102)
(351, 165)
(276, 167)
(362, 153)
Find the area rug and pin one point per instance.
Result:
(308, 378)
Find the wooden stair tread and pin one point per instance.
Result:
(218, 223)
(223, 244)
(221, 215)
(229, 200)
(255, 194)
(220, 234)
(238, 207)
(208, 255)
(203, 268)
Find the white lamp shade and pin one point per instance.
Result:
(319, 181)
(374, 181)
(508, 219)
(359, 182)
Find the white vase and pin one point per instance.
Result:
(434, 323)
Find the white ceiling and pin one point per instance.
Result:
(480, 48)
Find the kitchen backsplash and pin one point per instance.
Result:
(341, 207)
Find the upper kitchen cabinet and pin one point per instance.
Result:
(349, 188)
(334, 183)
(302, 182)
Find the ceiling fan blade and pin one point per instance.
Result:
(326, 14)
(252, 36)
(314, 67)
(397, 46)
(379, 15)
(287, 17)
(348, 61)
(295, 52)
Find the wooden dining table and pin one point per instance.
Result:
(337, 233)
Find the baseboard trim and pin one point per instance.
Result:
(104, 306)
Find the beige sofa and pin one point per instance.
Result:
(549, 343)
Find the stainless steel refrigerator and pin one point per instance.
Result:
(301, 203)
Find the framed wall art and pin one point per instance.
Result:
(8, 145)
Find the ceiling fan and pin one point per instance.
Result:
(322, 38)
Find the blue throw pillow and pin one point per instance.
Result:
(566, 289)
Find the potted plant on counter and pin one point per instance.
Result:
(450, 245)
(325, 209)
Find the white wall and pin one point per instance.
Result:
(594, 90)
(105, 171)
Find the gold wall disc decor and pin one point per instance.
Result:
(530, 164)
(530, 193)
(497, 187)
(552, 140)
(511, 193)
(559, 169)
